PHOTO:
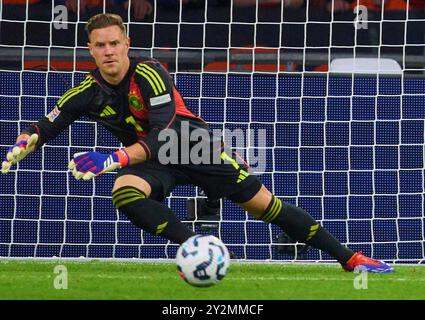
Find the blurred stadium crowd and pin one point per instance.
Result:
(142, 10)
(390, 27)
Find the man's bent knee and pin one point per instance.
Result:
(259, 203)
(129, 188)
(129, 180)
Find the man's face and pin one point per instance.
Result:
(109, 48)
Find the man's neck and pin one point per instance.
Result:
(115, 80)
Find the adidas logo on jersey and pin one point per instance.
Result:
(107, 111)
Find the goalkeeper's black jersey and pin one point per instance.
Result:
(145, 102)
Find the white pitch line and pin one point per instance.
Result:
(322, 279)
(229, 277)
(371, 277)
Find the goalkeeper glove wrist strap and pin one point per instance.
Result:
(123, 157)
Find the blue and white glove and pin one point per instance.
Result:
(19, 151)
(87, 165)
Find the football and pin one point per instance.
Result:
(202, 260)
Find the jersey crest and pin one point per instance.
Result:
(135, 100)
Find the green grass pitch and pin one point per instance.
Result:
(31, 279)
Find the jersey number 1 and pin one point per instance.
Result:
(133, 121)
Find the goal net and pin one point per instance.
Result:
(329, 96)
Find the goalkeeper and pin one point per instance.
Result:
(137, 101)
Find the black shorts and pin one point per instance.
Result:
(216, 180)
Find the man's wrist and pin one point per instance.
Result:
(22, 136)
(123, 157)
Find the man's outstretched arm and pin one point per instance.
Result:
(67, 109)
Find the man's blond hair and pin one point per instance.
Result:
(103, 20)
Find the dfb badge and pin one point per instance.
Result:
(135, 102)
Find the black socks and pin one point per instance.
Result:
(300, 226)
(150, 215)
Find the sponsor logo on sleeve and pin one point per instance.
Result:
(160, 100)
(53, 114)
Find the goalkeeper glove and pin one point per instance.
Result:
(19, 151)
(87, 165)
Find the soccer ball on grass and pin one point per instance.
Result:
(202, 260)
